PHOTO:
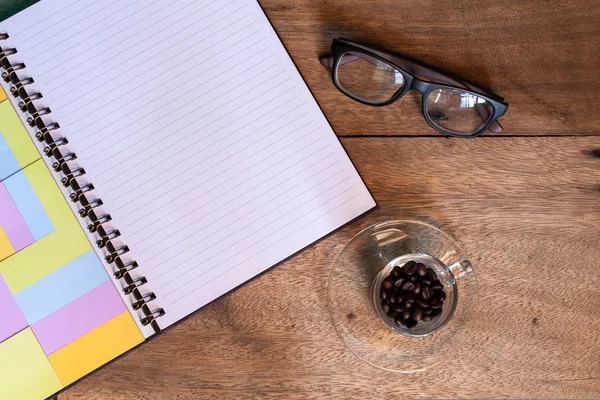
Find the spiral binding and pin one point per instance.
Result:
(80, 193)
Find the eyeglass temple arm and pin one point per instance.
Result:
(417, 69)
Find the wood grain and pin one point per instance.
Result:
(527, 210)
(542, 56)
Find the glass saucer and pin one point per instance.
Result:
(353, 303)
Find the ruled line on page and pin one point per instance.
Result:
(258, 252)
(75, 88)
(279, 173)
(250, 212)
(192, 280)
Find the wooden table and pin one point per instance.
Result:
(525, 204)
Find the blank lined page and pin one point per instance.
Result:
(197, 131)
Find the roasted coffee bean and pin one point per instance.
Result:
(398, 320)
(427, 311)
(385, 307)
(396, 272)
(421, 269)
(416, 313)
(408, 287)
(436, 305)
(410, 268)
(409, 297)
(426, 318)
(426, 292)
(431, 274)
(425, 281)
(400, 297)
(414, 278)
(417, 288)
(398, 282)
(437, 286)
(410, 323)
(405, 314)
(398, 308)
(420, 301)
(392, 298)
(436, 313)
(442, 295)
(383, 294)
(387, 283)
(408, 304)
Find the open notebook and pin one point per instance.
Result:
(183, 138)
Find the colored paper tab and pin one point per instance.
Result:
(2, 95)
(8, 162)
(6, 249)
(96, 348)
(16, 136)
(78, 317)
(26, 372)
(13, 320)
(61, 287)
(63, 245)
(12, 221)
(29, 205)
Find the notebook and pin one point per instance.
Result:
(155, 155)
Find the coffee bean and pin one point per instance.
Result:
(398, 320)
(426, 318)
(410, 268)
(385, 307)
(387, 283)
(383, 294)
(436, 313)
(405, 314)
(416, 313)
(425, 281)
(442, 295)
(409, 297)
(396, 272)
(414, 278)
(398, 282)
(436, 305)
(420, 301)
(426, 292)
(417, 288)
(398, 308)
(410, 323)
(427, 311)
(431, 274)
(421, 269)
(392, 298)
(408, 304)
(437, 286)
(400, 297)
(408, 287)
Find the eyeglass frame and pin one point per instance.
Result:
(410, 70)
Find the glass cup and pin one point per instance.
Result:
(355, 307)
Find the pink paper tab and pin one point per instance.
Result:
(78, 317)
(12, 222)
(13, 320)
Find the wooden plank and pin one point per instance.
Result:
(527, 210)
(542, 57)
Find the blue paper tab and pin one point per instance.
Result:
(29, 205)
(61, 287)
(8, 162)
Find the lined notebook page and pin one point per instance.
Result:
(198, 133)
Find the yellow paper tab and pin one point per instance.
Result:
(66, 243)
(26, 372)
(2, 95)
(96, 348)
(16, 136)
(6, 249)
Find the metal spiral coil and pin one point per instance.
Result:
(80, 193)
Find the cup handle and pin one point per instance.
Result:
(460, 269)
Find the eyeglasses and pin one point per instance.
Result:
(376, 78)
